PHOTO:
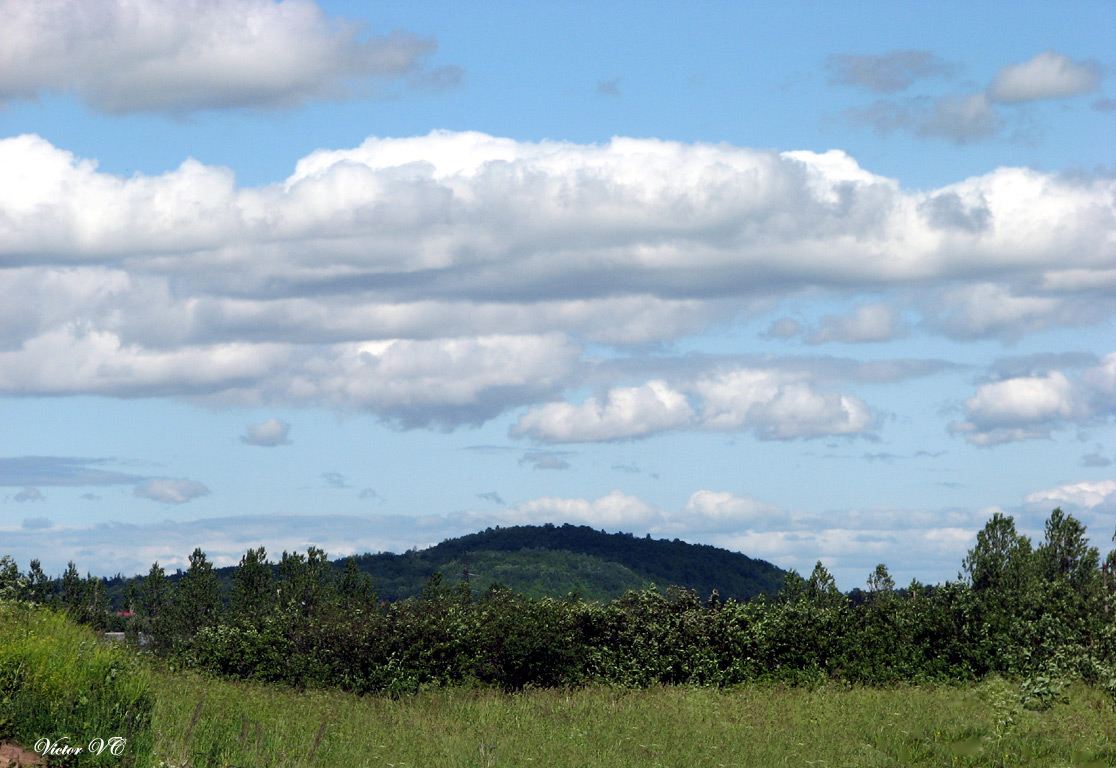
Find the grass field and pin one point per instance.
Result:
(214, 723)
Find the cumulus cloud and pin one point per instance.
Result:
(37, 523)
(866, 323)
(983, 310)
(1034, 406)
(270, 433)
(775, 405)
(445, 280)
(1085, 495)
(167, 56)
(626, 412)
(29, 494)
(1049, 75)
(170, 490)
(615, 511)
(885, 73)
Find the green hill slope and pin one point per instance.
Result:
(550, 560)
(555, 560)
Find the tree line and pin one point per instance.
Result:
(1040, 612)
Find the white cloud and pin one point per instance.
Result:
(162, 55)
(1048, 75)
(444, 279)
(1085, 494)
(268, 434)
(171, 490)
(865, 324)
(615, 511)
(1027, 407)
(775, 405)
(626, 413)
(778, 405)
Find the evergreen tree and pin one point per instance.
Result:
(73, 591)
(197, 600)
(154, 602)
(253, 591)
(38, 583)
(97, 607)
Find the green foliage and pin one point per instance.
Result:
(253, 591)
(57, 679)
(197, 601)
(1039, 616)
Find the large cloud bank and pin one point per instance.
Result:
(445, 279)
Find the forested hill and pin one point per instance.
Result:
(556, 560)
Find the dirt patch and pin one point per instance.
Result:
(12, 756)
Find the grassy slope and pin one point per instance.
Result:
(57, 680)
(213, 723)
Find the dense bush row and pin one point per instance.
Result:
(1044, 613)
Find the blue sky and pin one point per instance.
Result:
(803, 280)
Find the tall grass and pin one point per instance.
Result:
(58, 681)
(200, 723)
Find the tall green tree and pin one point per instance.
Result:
(38, 583)
(1001, 561)
(73, 591)
(304, 580)
(253, 590)
(197, 601)
(155, 599)
(1065, 554)
(97, 607)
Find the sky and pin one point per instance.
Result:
(807, 281)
